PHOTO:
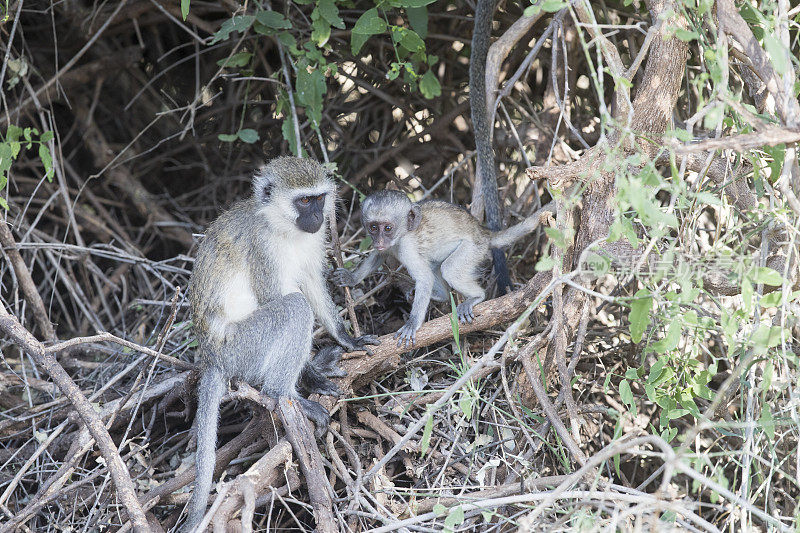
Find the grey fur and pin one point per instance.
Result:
(441, 245)
(258, 282)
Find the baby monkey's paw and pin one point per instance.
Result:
(341, 277)
(407, 335)
(464, 312)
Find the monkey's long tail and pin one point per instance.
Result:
(211, 388)
(508, 236)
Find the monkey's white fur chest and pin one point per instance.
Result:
(238, 302)
(300, 260)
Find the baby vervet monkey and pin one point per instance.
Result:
(257, 284)
(440, 244)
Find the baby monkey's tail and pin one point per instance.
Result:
(506, 237)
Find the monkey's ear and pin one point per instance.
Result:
(263, 181)
(414, 217)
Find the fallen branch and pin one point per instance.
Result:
(361, 368)
(299, 433)
(119, 472)
(32, 295)
(765, 137)
(244, 489)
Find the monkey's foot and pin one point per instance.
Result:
(464, 312)
(317, 414)
(352, 344)
(324, 387)
(341, 277)
(407, 335)
(327, 362)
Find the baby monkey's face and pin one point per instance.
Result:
(383, 234)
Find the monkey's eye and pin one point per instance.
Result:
(305, 200)
(373, 228)
(320, 197)
(387, 228)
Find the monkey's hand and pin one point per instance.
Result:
(464, 312)
(407, 335)
(341, 277)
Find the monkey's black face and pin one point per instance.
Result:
(382, 233)
(310, 212)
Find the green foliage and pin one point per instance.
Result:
(454, 518)
(309, 59)
(408, 43)
(15, 139)
(547, 6)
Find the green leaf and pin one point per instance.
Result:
(3, 203)
(767, 276)
(238, 23)
(766, 337)
(6, 157)
(429, 85)
(236, 60)
(681, 135)
(185, 8)
(670, 340)
(651, 392)
(248, 135)
(47, 161)
(227, 137)
(46, 136)
(778, 154)
(439, 509)
(465, 403)
(686, 35)
(455, 518)
(655, 370)
(773, 299)
(548, 6)
(310, 90)
(766, 379)
(370, 23)
(677, 413)
(320, 31)
(639, 316)
(626, 395)
(13, 133)
(557, 236)
(415, 3)
(329, 11)
(454, 323)
(412, 42)
(426, 435)
(287, 40)
(777, 53)
(287, 128)
(418, 18)
(357, 40)
(545, 263)
(273, 20)
(767, 422)
(747, 294)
